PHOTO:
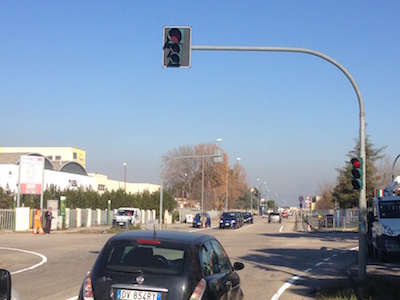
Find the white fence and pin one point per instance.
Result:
(22, 218)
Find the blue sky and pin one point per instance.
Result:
(88, 74)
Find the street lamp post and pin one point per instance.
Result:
(393, 167)
(202, 178)
(125, 176)
(251, 200)
(227, 189)
(226, 193)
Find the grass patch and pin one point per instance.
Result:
(372, 288)
(115, 230)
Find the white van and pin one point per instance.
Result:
(126, 216)
(384, 223)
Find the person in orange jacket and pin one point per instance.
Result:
(37, 227)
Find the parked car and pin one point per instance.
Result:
(274, 217)
(201, 218)
(285, 214)
(145, 264)
(231, 219)
(248, 217)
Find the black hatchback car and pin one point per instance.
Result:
(162, 265)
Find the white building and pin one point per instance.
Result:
(64, 168)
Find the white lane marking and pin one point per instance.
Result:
(307, 270)
(280, 229)
(287, 285)
(44, 259)
(284, 287)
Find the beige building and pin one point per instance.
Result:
(57, 155)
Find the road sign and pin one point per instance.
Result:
(301, 199)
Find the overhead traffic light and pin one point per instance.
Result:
(356, 171)
(177, 46)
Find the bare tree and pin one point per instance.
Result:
(324, 201)
(386, 168)
(183, 174)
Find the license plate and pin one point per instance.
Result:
(227, 224)
(137, 295)
(121, 223)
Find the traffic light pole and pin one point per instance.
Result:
(362, 228)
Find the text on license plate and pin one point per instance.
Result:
(137, 295)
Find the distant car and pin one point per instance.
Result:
(248, 217)
(189, 219)
(144, 264)
(126, 216)
(201, 218)
(274, 217)
(285, 214)
(231, 219)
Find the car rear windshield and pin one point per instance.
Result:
(123, 212)
(226, 215)
(162, 258)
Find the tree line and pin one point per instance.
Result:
(87, 198)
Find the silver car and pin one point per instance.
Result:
(274, 217)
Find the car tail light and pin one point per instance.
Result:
(87, 289)
(199, 290)
(149, 242)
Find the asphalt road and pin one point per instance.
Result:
(280, 263)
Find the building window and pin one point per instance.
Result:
(74, 155)
(50, 157)
(101, 187)
(58, 157)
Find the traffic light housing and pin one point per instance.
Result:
(177, 46)
(356, 171)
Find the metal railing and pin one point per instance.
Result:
(330, 220)
(6, 219)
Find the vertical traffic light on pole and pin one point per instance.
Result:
(356, 171)
(177, 46)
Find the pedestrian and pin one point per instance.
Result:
(37, 226)
(48, 215)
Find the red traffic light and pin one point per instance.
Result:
(177, 46)
(175, 35)
(356, 163)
